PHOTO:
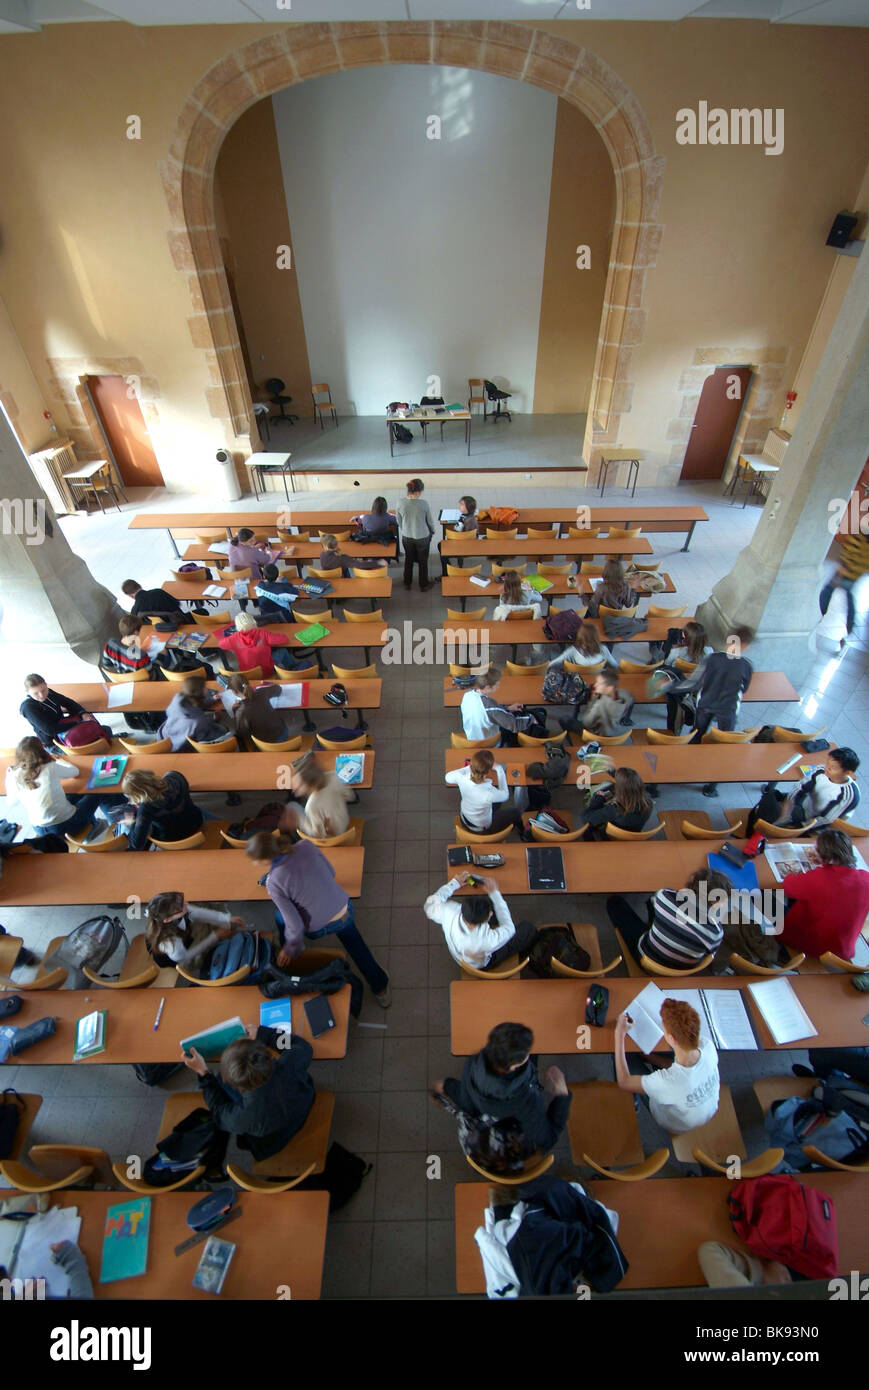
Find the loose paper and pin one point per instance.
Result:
(34, 1259)
(119, 695)
(213, 591)
(782, 1011)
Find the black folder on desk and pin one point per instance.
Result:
(545, 868)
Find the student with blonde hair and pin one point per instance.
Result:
(251, 645)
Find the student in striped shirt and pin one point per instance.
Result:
(683, 924)
(853, 562)
(828, 793)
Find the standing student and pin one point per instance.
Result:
(853, 562)
(470, 937)
(605, 712)
(684, 1095)
(720, 684)
(48, 713)
(483, 716)
(484, 807)
(682, 925)
(825, 794)
(254, 714)
(308, 902)
(624, 803)
(325, 799)
(501, 1082)
(680, 695)
(189, 715)
(263, 1093)
(417, 528)
(160, 807)
(177, 932)
(34, 779)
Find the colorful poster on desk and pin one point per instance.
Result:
(125, 1240)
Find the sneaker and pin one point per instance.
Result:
(385, 999)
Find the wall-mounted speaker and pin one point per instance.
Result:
(840, 232)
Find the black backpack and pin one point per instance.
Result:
(499, 1146)
(341, 1177)
(175, 660)
(401, 434)
(557, 943)
(195, 1140)
(155, 1073)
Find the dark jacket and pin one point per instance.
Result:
(47, 717)
(603, 811)
(722, 681)
(611, 598)
(173, 818)
(565, 1238)
(266, 1119)
(256, 716)
(155, 601)
(518, 1095)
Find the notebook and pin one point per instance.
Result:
(117, 696)
(211, 1042)
(90, 1034)
(782, 1011)
(545, 868)
(309, 635)
(350, 768)
(744, 878)
(539, 582)
(213, 1265)
(450, 514)
(125, 1240)
(724, 1020)
(107, 772)
(480, 581)
(276, 1013)
(291, 696)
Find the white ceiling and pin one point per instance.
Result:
(19, 16)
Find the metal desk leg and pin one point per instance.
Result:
(389, 429)
(690, 534)
(174, 546)
(360, 722)
(367, 651)
(253, 473)
(468, 424)
(635, 465)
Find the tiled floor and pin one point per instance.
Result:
(395, 1239)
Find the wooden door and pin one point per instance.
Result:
(721, 402)
(120, 415)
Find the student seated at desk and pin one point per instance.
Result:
(684, 1095)
(825, 794)
(325, 799)
(262, 1098)
(469, 935)
(826, 908)
(725, 1267)
(332, 558)
(623, 802)
(159, 806)
(48, 713)
(607, 710)
(243, 555)
(683, 925)
(254, 714)
(502, 1082)
(188, 716)
(379, 522)
(126, 653)
(467, 521)
(34, 780)
(586, 650)
(483, 717)
(251, 645)
(179, 932)
(613, 591)
(482, 785)
(517, 594)
(149, 600)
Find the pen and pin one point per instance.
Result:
(159, 1014)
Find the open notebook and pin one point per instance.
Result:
(724, 1020)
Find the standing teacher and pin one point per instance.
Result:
(417, 529)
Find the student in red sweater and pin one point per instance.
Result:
(826, 906)
(252, 645)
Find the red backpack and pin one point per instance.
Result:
(87, 731)
(563, 626)
(780, 1219)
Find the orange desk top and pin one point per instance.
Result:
(705, 762)
(338, 635)
(207, 772)
(513, 630)
(567, 545)
(765, 686)
(156, 695)
(341, 589)
(455, 586)
(636, 515)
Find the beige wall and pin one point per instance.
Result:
(88, 278)
(253, 217)
(581, 211)
(20, 394)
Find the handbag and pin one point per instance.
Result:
(12, 1107)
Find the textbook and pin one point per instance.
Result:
(799, 858)
(724, 1020)
(782, 1011)
(107, 772)
(479, 581)
(449, 514)
(213, 591)
(213, 1265)
(211, 1042)
(309, 635)
(90, 1034)
(125, 1240)
(350, 767)
(276, 1013)
(539, 582)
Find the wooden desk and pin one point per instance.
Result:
(554, 1009)
(516, 632)
(342, 589)
(131, 1014)
(706, 762)
(207, 772)
(765, 686)
(362, 635)
(664, 1221)
(156, 695)
(453, 586)
(279, 1240)
(203, 875)
(428, 417)
(303, 552)
(547, 549)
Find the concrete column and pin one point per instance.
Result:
(774, 583)
(49, 595)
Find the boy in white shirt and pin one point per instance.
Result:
(470, 937)
(481, 784)
(685, 1094)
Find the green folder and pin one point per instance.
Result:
(309, 635)
(539, 582)
(211, 1042)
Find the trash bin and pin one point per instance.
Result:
(228, 481)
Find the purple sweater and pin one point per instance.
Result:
(302, 886)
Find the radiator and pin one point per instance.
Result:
(775, 446)
(49, 467)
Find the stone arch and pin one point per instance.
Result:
(303, 51)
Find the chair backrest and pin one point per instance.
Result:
(498, 570)
(647, 1169)
(147, 1189)
(702, 832)
(320, 388)
(615, 832)
(375, 617)
(544, 568)
(585, 533)
(606, 612)
(324, 616)
(113, 844)
(638, 668)
(306, 673)
(147, 750)
(195, 841)
(686, 667)
(780, 735)
(471, 837)
(509, 974)
(462, 571)
(235, 574)
(351, 836)
(573, 668)
(348, 744)
(514, 668)
(728, 736)
(520, 615)
(472, 614)
(780, 832)
(652, 968)
(605, 741)
(624, 533)
(318, 573)
(475, 383)
(496, 535)
(84, 750)
(532, 1170)
(251, 1182)
(211, 619)
(28, 1180)
(234, 979)
(253, 673)
(748, 967)
(179, 676)
(554, 837)
(834, 962)
(357, 673)
(540, 533)
(127, 677)
(531, 741)
(459, 741)
(656, 611)
(658, 736)
(457, 670)
(221, 745)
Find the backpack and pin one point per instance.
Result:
(562, 687)
(562, 627)
(266, 818)
(835, 1120)
(146, 721)
(341, 1177)
(12, 1107)
(90, 944)
(155, 1073)
(173, 659)
(779, 1219)
(195, 1140)
(557, 943)
(87, 731)
(499, 1146)
(242, 948)
(401, 434)
(274, 983)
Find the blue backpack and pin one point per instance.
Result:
(835, 1120)
(242, 948)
